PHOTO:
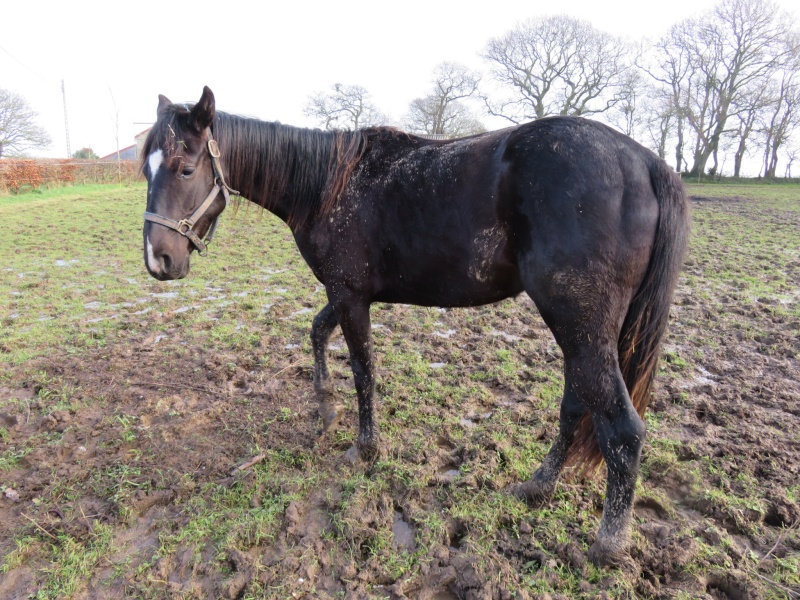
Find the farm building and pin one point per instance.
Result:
(132, 152)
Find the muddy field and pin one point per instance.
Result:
(159, 440)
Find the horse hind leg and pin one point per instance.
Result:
(586, 323)
(594, 386)
(620, 434)
(541, 486)
(321, 329)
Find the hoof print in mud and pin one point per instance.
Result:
(330, 414)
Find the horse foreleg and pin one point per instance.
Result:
(353, 316)
(321, 329)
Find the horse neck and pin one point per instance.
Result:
(295, 173)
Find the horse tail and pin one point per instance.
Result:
(646, 320)
(644, 325)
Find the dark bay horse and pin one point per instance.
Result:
(591, 225)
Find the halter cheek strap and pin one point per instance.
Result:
(184, 226)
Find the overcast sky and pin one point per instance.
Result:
(260, 59)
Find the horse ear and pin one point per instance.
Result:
(163, 103)
(203, 112)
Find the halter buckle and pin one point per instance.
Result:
(213, 149)
(184, 223)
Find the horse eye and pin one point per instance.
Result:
(187, 172)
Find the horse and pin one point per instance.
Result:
(587, 222)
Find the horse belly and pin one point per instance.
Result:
(452, 272)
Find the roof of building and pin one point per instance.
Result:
(127, 153)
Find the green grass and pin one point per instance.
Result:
(73, 276)
(781, 196)
(743, 251)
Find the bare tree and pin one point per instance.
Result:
(791, 153)
(555, 66)
(671, 66)
(737, 46)
(783, 115)
(748, 112)
(658, 121)
(18, 129)
(442, 111)
(343, 107)
(627, 114)
(784, 120)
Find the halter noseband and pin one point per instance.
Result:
(184, 226)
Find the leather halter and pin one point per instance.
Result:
(184, 226)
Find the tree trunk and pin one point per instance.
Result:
(679, 148)
(767, 146)
(740, 150)
(700, 161)
(737, 160)
(712, 144)
(773, 163)
(662, 144)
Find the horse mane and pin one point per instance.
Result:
(269, 161)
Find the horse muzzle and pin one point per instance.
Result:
(165, 265)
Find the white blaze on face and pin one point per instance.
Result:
(152, 263)
(154, 162)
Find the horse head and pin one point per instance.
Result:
(181, 166)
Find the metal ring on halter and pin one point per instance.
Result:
(213, 148)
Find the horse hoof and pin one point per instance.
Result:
(615, 556)
(369, 453)
(357, 453)
(531, 491)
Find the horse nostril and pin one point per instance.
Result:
(166, 262)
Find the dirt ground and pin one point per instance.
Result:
(156, 430)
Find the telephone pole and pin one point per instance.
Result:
(66, 121)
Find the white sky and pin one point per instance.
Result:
(260, 58)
